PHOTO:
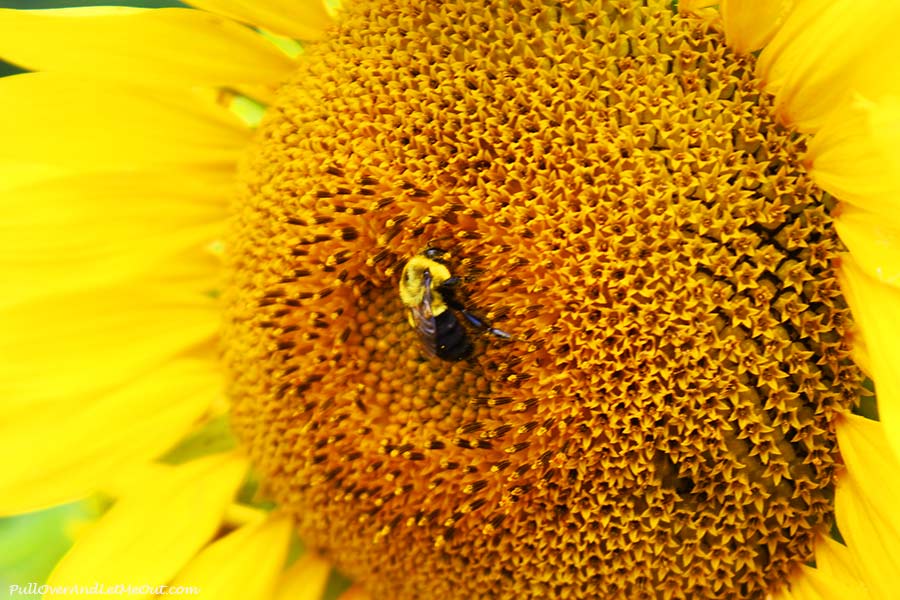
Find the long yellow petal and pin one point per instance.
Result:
(856, 155)
(867, 455)
(92, 229)
(145, 539)
(705, 9)
(244, 564)
(834, 577)
(15, 174)
(820, 53)
(99, 126)
(876, 74)
(304, 580)
(167, 45)
(837, 571)
(750, 24)
(63, 348)
(866, 499)
(860, 353)
(98, 436)
(876, 310)
(301, 19)
(874, 244)
(133, 478)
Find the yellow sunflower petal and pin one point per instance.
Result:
(244, 564)
(876, 74)
(876, 310)
(61, 348)
(145, 539)
(816, 58)
(701, 8)
(837, 571)
(750, 24)
(866, 453)
(15, 174)
(133, 478)
(66, 120)
(834, 576)
(866, 499)
(304, 580)
(92, 229)
(97, 436)
(301, 19)
(856, 156)
(874, 244)
(860, 353)
(170, 45)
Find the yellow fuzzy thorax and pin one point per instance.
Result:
(662, 423)
(412, 288)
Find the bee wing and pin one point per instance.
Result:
(422, 317)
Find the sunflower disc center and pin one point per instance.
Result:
(614, 192)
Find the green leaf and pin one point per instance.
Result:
(33, 543)
(215, 436)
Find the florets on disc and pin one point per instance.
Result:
(618, 197)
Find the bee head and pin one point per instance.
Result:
(413, 279)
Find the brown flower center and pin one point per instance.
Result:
(615, 193)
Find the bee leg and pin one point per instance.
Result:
(450, 283)
(499, 333)
(479, 324)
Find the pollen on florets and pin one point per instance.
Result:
(615, 193)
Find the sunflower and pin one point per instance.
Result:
(682, 218)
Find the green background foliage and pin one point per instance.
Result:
(30, 545)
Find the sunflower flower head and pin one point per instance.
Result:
(616, 192)
(510, 299)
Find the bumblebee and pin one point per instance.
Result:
(427, 288)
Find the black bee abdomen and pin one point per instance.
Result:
(450, 338)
